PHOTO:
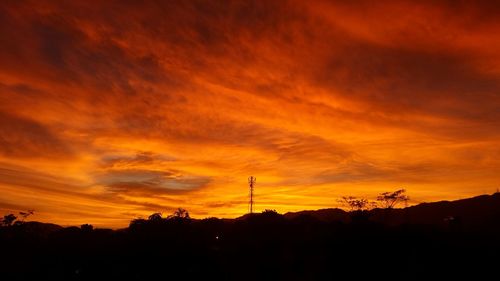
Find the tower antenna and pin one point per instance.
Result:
(251, 183)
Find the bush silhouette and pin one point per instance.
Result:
(390, 199)
(8, 220)
(180, 213)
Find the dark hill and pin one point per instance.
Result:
(473, 212)
(40, 228)
(325, 215)
(445, 240)
(480, 211)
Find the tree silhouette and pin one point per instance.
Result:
(87, 227)
(138, 222)
(8, 220)
(180, 213)
(26, 214)
(269, 211)
(155, 217)
(390, 199)
(356, 204)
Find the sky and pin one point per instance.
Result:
(113, 110)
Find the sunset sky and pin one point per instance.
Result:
(112, 110)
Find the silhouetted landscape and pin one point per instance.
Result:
(172, 139)
(432, 240)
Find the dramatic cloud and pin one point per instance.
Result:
(114, 110)
(21, 137)
(151, 182)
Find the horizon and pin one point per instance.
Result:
(112, 111)
(343, 207)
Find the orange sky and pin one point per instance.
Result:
(116, 110)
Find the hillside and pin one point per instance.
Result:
(471, 212)
(442, 239)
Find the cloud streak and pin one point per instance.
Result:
(126, 108)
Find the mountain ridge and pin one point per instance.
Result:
(470, 211)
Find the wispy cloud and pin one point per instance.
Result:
(123, 108)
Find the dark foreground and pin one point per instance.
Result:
(445, 240)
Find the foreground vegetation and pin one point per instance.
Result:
(444, 239)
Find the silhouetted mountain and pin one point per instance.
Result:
(447, 240)
(325, 215)
(40, 228)
(473, 212)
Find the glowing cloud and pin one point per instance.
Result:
(115, 110)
